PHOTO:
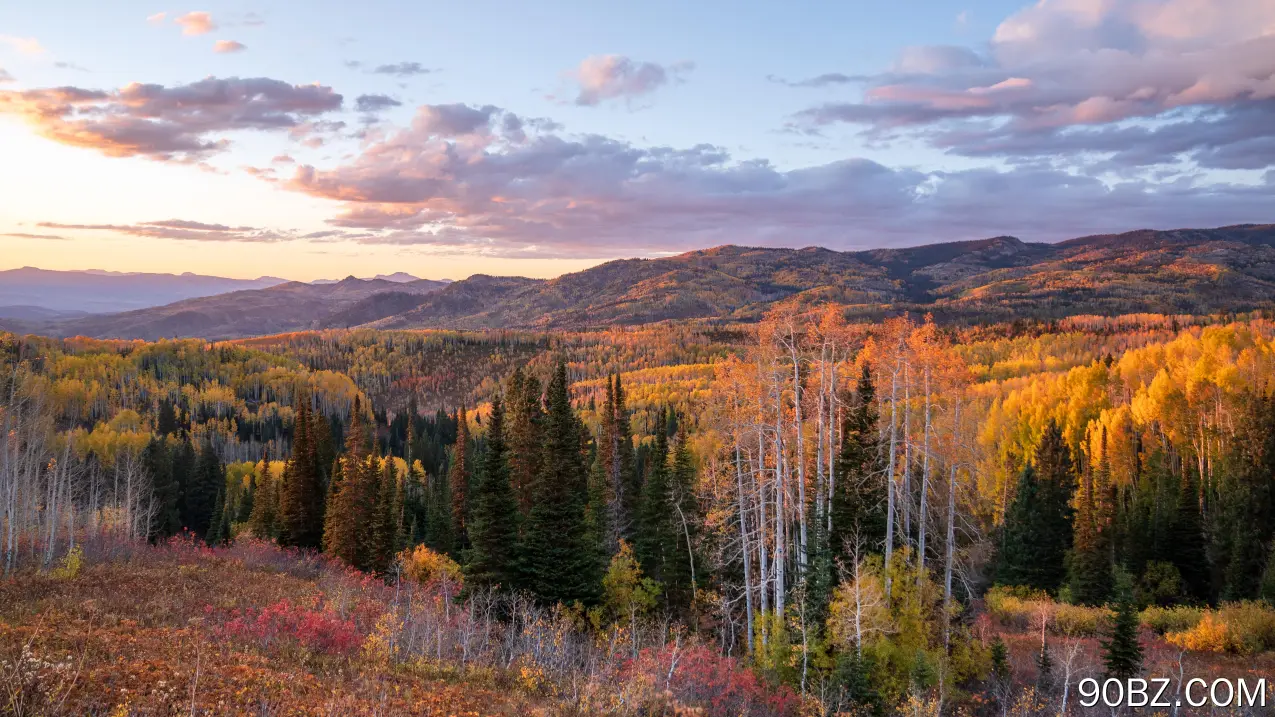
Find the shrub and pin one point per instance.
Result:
(1015, 607)
(1080, 621)
(699, 676)
(1209, 635)
(426, 566)
(1251, 625)
(286, 624)
(1164, 620)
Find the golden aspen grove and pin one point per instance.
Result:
(802, 515)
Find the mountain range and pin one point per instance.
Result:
(1190, 271)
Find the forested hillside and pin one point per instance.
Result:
(806, 514)
(1205, 271)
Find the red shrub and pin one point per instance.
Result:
(705, 678)
(287, 624)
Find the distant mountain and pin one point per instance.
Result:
(96, 291)
(1181, 271)
(398, 277)
(293, 306)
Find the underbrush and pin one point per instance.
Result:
(252, 628)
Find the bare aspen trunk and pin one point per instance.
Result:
(889, 477)
(743, 541)
(950, 548)
(925, 482)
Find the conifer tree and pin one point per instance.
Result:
(207, 481)
(1122, 651)
(1038, 524)
(166, 420)
(157, 460)
(683, 510)
(263, 521)
(1090, 561)
(348, 525)
(219, 530)
(301, 500)
(382, 533)
(525, 427)
(247, 499)
(183, 459)
(655, 539)
(493, 527)
(859, 498)
(559, 564)
(458, 478)
(1189, 553)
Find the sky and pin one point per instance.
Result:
(325, 139)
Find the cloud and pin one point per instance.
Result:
(227, 46)
(196, 23)
(157, 18)
(252, 19)
(5, 76)
(49, 237)
(472, 179)
(24, 45)
(183, 230)
(70, 66)
(375, 103)
(1077, 74)
(398, 69)
(182, 122)
(825, 80)
(608, 77)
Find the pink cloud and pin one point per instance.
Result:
(228, 46)
(196, 23)
(607, 77)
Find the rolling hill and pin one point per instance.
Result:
(96, 291)
(1180, 271)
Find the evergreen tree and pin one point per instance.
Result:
(351, 510)
(157, 460)
(525, 429)
(246, 500)
(166, 420)
(1090, 561)
(263, 521)
(1044, 668)
(558, 564)
(382, 534)
(458, 478)
(219, 530)
(859, 495)
(183, 459)
(1189, 553)
(1038, 524)
(207, 482)
(683, 511)
(1123, 652)
(655, 537)
(301, 500)
(493, 526)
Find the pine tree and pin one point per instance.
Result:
(525, 428)
(219, 529)
(301, 500)
(351, 509)
(859, 498)
(458, 480)
(1001, 670)
(558, 564)
(157, 460)
(166, 420)
(1044, 668)
(247, 499)
(683, 510)
(655, 539)
(1089, 564)
(1123, 652)
(383, 528)
(207, 482)
(1189, 553)
(1038, 524)
(624, 470)
(183, 459)
(493, 527)
(264, 519)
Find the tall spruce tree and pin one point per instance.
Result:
(559, 564)
(263, 521)
(1122, 650)
(1190, 554)
(1038, 525)
(859, 496)
(207, 482)
(157, 460)
(383, 527)
(458, 479)
(684, 514)
(1090, 562)
(655, 539)
(351, 508)
(525, 426)
(493, 526)
(301, 499)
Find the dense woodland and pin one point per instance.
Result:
(867, 518)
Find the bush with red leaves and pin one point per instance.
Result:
(700, 676)
(287, 625)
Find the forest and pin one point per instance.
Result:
(807, 515)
